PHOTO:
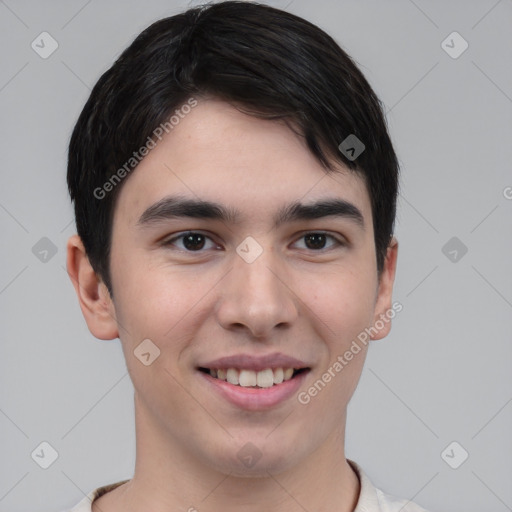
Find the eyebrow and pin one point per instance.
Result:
(318, 210)
(172, 207)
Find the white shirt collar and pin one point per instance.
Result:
(370, 499)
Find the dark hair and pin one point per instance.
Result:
(266, 62)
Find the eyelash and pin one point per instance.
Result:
(170, 241)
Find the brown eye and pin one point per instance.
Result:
(318, 241)
(193, 241)
(315, 241)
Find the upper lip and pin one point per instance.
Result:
(255, 363)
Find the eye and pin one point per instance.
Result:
(316, 241)
(191, 241)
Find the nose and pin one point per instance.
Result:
(257, 297)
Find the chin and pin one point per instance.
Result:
(251, 462)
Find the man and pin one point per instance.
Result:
(235, 189)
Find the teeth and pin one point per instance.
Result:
(288, 373)
(278, 375)
(232, 376)
(249, 378)
(265, 378)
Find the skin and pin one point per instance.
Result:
(305, 302)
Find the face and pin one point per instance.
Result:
(219, 261)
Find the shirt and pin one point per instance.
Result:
(370, 499)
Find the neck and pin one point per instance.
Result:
(169, 477)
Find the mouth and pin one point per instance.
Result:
(253, 382)
(247, 378)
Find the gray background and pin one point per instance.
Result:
(443, 374)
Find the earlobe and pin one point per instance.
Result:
(383, 306)
(93, 296)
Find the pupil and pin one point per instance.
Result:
(193, 241)
(315, 241)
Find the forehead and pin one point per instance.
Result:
(251, 165)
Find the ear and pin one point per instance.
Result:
(384, 293)
(93, 296)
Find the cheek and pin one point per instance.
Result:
(143, 312)
(148, 298)
(344, 304)
(148, 307)
(162, 304)
(339, 310)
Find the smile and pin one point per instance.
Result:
(253, 390)
(247, 378)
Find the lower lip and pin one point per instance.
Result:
(254, 399)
